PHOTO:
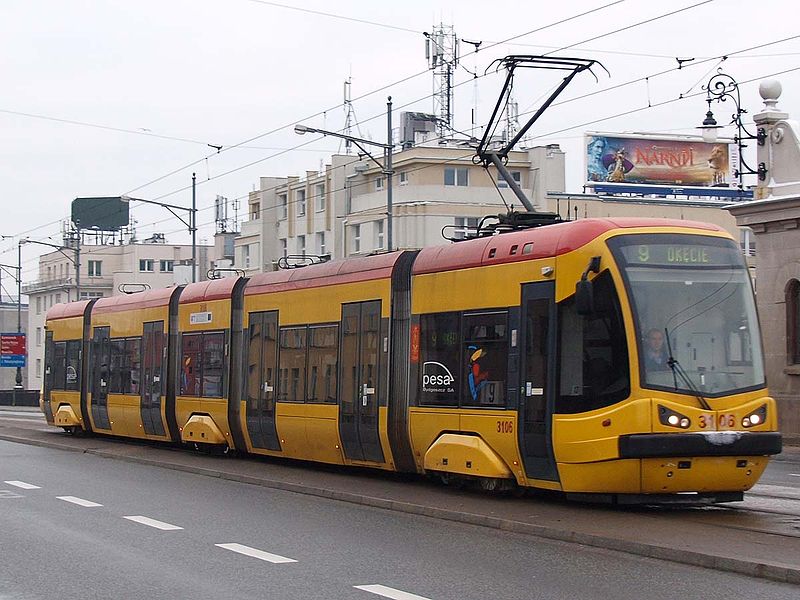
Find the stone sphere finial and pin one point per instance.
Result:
(770, 90)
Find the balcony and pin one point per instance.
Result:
(63, 283)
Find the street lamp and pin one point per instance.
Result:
(720, 88)
(386, 167)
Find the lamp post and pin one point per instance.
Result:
(386, 167)
(720, 88)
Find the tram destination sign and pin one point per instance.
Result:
(13, 350)
(687, 255)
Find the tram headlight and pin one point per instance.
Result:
(671, 418)
(757, 417)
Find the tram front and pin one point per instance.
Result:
(698, 421)
(700, 360)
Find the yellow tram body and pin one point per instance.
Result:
(529, 358)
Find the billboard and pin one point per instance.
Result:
(105, 213)
(659, 160)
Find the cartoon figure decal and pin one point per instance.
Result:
(477, 378)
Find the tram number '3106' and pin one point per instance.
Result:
(505, 427)
(722, 421)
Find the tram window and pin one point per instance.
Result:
(593, 353)
(213, 364)
(125, 356)
(292, 360)
(117, 353)
(322, 353)
(485, 359)
(191, 369)
(73, 370)
(440, 357)
(59, 365)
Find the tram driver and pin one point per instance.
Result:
(655, 355)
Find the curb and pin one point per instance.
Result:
(733, 565)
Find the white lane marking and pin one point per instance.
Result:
(794, 474)
(153, 523)
(23, 485)
(255, 553)
(387, 592)
(10, 494)
(79, 501)
(19, 420)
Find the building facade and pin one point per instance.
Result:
(106, 270)
(775, 219)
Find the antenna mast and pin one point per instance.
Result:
(441, 51)
(349, 118)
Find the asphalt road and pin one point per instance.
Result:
(99, 528)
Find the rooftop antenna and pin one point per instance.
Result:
(477, 44)
(221, 214)
(441, 51)
(349, 118)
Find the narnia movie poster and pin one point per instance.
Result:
(684, 161)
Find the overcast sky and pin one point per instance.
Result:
(111, 97)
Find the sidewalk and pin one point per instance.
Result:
(759, 544)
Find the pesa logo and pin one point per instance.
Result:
(436, 378)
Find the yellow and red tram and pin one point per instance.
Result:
(615, 359)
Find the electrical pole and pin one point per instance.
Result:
(389, 174)
(18, 378)
(194, 228)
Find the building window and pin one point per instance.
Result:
(320, 197)
(747, 241)
(38, 367)
(403, 177)
(61, 271)
(321, 250)
(300, 199)
(793, 322)
(379, 235)
(255, 211)
(301, 245)
(146, 265)
(284, 246)
(38, 305)
(283, 206)
(90, 295)
(58, 298)
(246, 256)
(515, 175)
(95, 268)
(379, 183)
(38, 336)
(356, 238)
(166, 266)
(465, 226)
(456, 176)
(49, 272)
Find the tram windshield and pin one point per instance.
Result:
(694, 312)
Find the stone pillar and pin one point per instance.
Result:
(774, 217)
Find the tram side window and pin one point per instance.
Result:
(485, 359)
(322, 352)
(292, 365)
(73, 367)
(125, 366)
(191, 365)
(593, 352)
(213, 364)
(440, 357)
(59, 365)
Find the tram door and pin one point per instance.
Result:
(101, 373)
(537, 385)
(49, 352)
(262, 358)
(152, 376)
(359, 393)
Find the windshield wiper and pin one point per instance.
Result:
(677, 371)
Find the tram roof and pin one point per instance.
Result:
(67, 310)
(548, 241)
(211, 289)
(349, 270)
(147, 299)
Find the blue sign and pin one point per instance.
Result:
(12, 360)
